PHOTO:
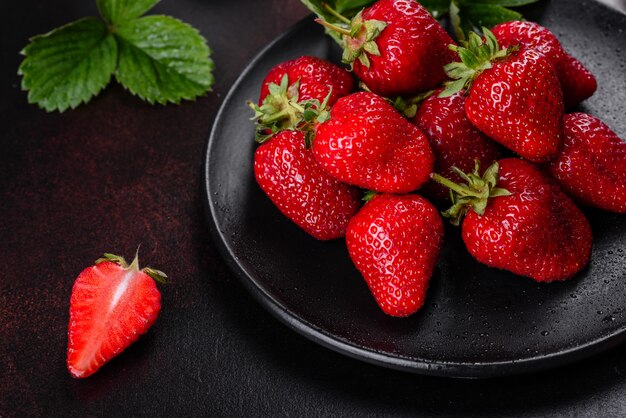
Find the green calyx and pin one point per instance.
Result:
(157, 275)
(368, 195)
(362, 40)
(358, 35)
(113, 258)
(475, 194)
(283, 110)
(476, 56)
(406, 106)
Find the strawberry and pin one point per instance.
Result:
(297, 184)
(454, 140)
(112, 304)
(295, 92)
(514, 96)
(367, 143)
(394, 241)
(531, 35)
(592, 165)
(314, 77)
(518, 219)
(576, 81)
(395, 47)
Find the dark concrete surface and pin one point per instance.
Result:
(117, 173)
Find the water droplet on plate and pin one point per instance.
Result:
(608, 318)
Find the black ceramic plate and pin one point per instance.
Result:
(476, 322)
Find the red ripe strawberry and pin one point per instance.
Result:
(317, 78)
(530, 34)
(514, 96)
(288, 173)
(394, 241)
(454, 140)
(577, 82)
(396, 47)
(295, 93)
(526, 224)
(367, 143)
(592, 165)
(112, 304)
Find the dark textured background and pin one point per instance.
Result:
(116, 173)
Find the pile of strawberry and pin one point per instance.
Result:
(430, 106)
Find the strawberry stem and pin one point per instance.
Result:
(475, 194)
(134, 266)
(334, 28)
(335, 13)
(297, 107)
(157, 275)
(276, 116)
(460, 189)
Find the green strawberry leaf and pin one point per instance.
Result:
(119, 11)
(350, 8)
(343, 6)
(347, 8)
(162, 59)
(437, 8)
(69, 65)
(484, 15)
(466, 15)
(503, 3)
(471, 15)
(317, 7)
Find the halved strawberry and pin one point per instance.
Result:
(112, 304)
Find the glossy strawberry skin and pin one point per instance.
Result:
(453, 139)
(317, 77)
(367, 143)
(519, 103)
(394, 241)
(413, 50)
(536, 232)
(110, 308)
(576, 81)
(592, 165)
(531, 35)
(298, 185)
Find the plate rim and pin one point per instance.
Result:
(326, 339)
